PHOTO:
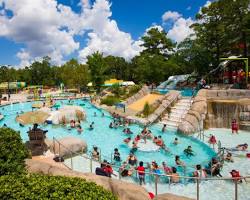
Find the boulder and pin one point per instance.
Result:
(200, 107)
(123, 190)
(186, 128)
(199, 98)
(195, 114)
(202, 93)
(192, 120)
(68, 145)
(212, 93)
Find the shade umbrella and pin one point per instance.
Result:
(36, 117)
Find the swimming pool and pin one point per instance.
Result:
(186, 92)
(107, 139)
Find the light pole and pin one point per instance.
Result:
(8, 79)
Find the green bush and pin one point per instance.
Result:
(134, 89)
(110, 100)
(36, 186)
(118, 90)
(146, 109)
(12, 152)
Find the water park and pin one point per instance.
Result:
(167, 138)
(159, 112)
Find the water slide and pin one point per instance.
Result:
(172, 81)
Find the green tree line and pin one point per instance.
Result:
(222, 29)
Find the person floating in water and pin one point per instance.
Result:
(95, 114)
(189, 151)
(179, 162)
(117, 155)
(164, 128)
(111, 125)
(176, 141)
(127, 140)
(79, 129)
(21, 125)
(91, 126)
(134, 147)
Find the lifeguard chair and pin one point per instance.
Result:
(37, 138)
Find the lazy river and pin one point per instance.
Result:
(107, 139)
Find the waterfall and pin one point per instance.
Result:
(221, 113)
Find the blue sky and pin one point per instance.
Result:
(40, 28)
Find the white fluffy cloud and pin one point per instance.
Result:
(171, 15)
(105, 35)
(180, 28)
(46, 27)
(41, 25)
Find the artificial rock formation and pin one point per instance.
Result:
(193, 121)
(68, 145)
(123, 190)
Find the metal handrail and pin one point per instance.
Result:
(157, 176)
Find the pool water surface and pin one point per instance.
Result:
(107, 139)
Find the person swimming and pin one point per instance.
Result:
(176, 141)
(242, 147)
(21, 125)
(111, 125)
(189, 151)
(91, 126)
(164, 128)
(127, 140)
(79, 129)
(117, 156)
(178, 161)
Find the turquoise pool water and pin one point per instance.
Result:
(186, 92)
(107, 139)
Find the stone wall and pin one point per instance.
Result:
(167, 100)
(216, 109)
(195, 116)
(163, 104)
(143, 92)
(123, 190)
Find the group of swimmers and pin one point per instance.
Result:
(118, 121)
(77, 125)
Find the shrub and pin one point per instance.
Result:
(134, 89)
(13, 152)
(35, 186)
(146, 109)
(118, 90)
(110, 100)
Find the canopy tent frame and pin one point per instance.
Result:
(235, 59)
